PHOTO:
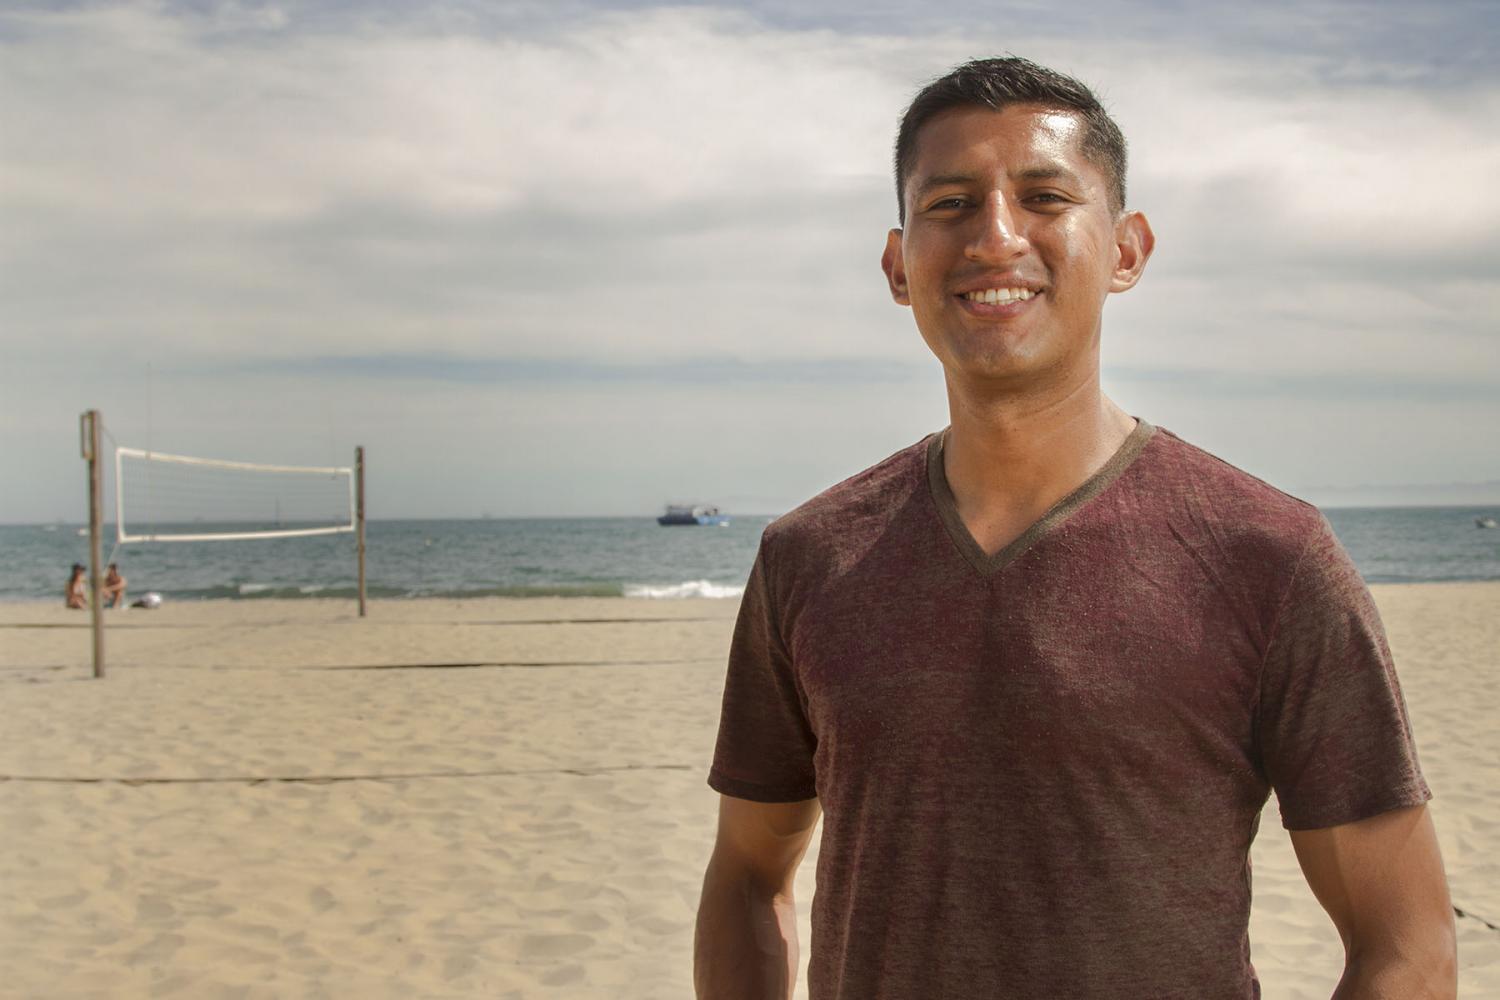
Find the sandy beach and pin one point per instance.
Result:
(493, 798)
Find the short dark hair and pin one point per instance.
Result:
(998, 83)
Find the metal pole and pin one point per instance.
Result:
(359, 520)
(96, 524)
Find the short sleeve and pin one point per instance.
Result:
(1334, 735)
(765, 746)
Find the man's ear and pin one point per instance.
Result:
(1134, 242)
(894, 267)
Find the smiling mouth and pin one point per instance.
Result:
(999, 296)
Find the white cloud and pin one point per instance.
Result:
(618, 114)
(201, 190)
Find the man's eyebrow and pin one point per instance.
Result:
(1047, 173)
(944, 180)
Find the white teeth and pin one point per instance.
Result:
(999, 296)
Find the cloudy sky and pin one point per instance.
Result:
(583, 258)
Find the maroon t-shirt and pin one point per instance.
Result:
(1041, 770)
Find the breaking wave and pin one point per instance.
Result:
(691, 588)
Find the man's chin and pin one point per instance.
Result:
(1007, 364)
(1016, 372)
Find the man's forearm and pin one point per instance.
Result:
(1425, 972)
(746, 942)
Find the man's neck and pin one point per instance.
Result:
(1009, 458)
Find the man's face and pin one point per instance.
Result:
(1011, 246)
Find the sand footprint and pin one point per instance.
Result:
(62, 902)
(459, 965)
(564, 975)
(545, 946)
(587, 922)
(153, 909)
(157, 950)
(175, 985)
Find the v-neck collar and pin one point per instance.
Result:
(985, 564)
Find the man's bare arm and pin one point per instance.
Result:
(1381, 880)
(746, 942)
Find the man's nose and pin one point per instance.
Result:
(996, 237)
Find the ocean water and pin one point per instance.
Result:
(584, 557)
(607, 557)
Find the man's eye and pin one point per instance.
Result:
(949, 203)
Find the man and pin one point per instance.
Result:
(1039, 672)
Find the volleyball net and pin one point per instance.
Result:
(179, 498)
(161, 497)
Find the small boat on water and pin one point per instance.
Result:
(693, 514)
(1485, 522)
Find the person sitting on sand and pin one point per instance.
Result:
(76, 593)
(114, 587)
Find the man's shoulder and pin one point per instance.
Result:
(864, 500)
(1227, 501)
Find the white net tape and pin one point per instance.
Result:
(174, 498)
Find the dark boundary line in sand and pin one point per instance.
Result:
(496, 663)
(579, 621)
(109, 625)
(479, 665)
(394, 624)
(1470, 915)
(261, 668)
(329, 779)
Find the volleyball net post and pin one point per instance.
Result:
(359, 521)
(89, 433)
